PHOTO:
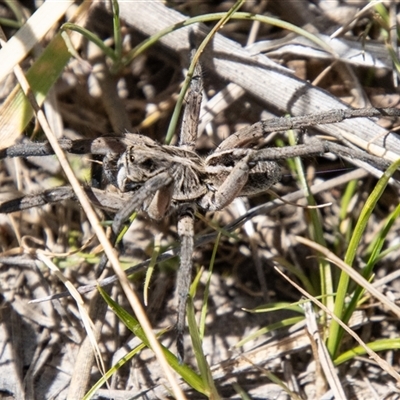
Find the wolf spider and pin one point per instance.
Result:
(160, 179)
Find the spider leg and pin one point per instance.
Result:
(251, 134)
(234, 183)
(230, 188)
(316, 147)
(99, 198)
(148, 189)
(187, 140)
(190, 118)
(186, 234)
(100, 146)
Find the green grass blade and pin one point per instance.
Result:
(91, 37)
(344, 218)
(187, 374)
(336, 332)
(120, 363)
(299, 274)
(270, 328)
(368, 269)
(117, 33)
(378, 345)
(316, 232)
(150, 268)
(202, 363)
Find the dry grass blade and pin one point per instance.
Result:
(32, 32)
(380, 361)
(87, 322)
(353, 274)
(322, 353)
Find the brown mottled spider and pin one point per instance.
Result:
(159, 179)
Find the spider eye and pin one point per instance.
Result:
(148, 164)
(131, 158)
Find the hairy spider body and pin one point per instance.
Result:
(210, 183)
